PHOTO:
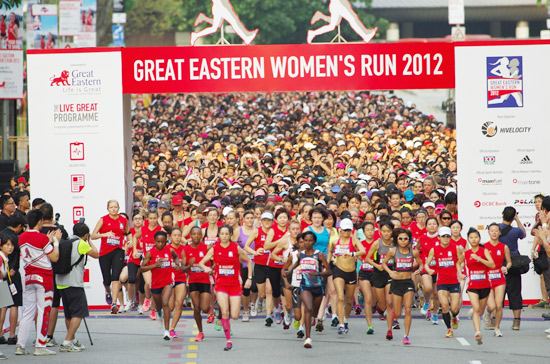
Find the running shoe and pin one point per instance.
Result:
(434, 320)
(285, 326)
(334, 322)
(12, 340)
(470, 313)
(229, 346)
(380, 312)
(357, 309)
(540, 304)
(218, 325)
(492, 324)
(296, 324)
(108, 298)
(153, 315)
(210, 319)
(319, 327)
(41, 351)
(78, 344)
(479, 338)
(3, 357)
(449, 334)
(515, 325)
(166, 335)
(429, 316)
(3, 340)
(329, 309)
(439, 311)
(268, 321)
(69, 348)
(146, 304)
(346, 328)
(497, 333)
(253, 311)
(547, 331)
(19, 350)
(173, 333)
(246, 317)
(300, 334)
(278, 317)
(546, 315)
(424, 309)
(50, 343)
(288, 319)
(341, 330)
(395, 325)
(128, 306)
(160, 321)
(389, 335)
(259, 306)
(200, 337)
(406, 340)
(370, 330)
(455, 323)
(140, 310)
(308, 344)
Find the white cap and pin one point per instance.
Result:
(362, 190)
(341, 143)
(444, 230)
(346, 224)
(322, 202)
(267, 215)
(428, 204)
(318, 188)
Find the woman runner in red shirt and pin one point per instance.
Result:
(180, 280)
(161, 260)
(227, 257)
(478, 260)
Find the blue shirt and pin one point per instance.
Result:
(511, 239)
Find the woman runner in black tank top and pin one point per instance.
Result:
(402, 285)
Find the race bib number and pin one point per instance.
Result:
(446, 262)
(113, 241)
(366, 266)
(165, 263)
(298, 274)
(403, 264)
(309, 265)
(251, 257)
(478, 276)
(226, 270)
(196, 269)
(494, 275)
(341, 251)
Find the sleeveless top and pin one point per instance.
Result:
(364, 265)
(179, 276)
(322, 240)
(342, 249)
(497, 253)
(403, 262)
(242, 242)
(310, 263)
(162, 275)
(477, 271)
(259, 243)
(278, 234)
(117, 226)
(382, 252)
(446, 259)
(195, 273)
(227, 264)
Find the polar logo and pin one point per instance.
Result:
(477, 204)
(479, 180)
(515, 180)
(62, 80)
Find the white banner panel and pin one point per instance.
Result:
(78, 154)
(11, 74)
(502, 127)
(69, 17)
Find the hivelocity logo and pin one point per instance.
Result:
(478, 204)
(526, 160)
(489, 129)
(62, 80)
(489, 160)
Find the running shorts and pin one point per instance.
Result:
(380, 279)
(451, 288)
(159, 290)
(200, 287)
(111, 265)
(296, 299)
(481, 292)
(348, 277)
(74, 302)
(274, 275)
(231, 289)
(365, 275)
(401, 286)
(315, 291)
(260, 273)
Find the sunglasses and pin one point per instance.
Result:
(445, 218)
(403, 238)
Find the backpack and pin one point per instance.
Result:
(63, 264)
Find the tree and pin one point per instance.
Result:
(280, 22)
(10, 4)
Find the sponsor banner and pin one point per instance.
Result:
(69, 17)
(44, 27)
(503, 94)
(77, 119)
(11, 28)
(11, 74)
(88, 18)
(289, 67)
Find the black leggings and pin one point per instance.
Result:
(111, 265)
(132, 272)
(274, 276)
(244, 277)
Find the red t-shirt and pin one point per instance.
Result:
(35, 248)
(195, 273)
(364, 265)
(446, 259)
(425, 244)
(148, 236)
(497, 253)
(179, 276)
(477, 272)
(162, 275)
(416, 231)
(259, 243)
(278, 234)
(117, 226)
(227, 265)
(304, 224)
(139, 250)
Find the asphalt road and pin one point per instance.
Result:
(135, 339)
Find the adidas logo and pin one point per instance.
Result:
(526, 160)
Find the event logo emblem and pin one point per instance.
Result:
(76, 151)
(77, 183)
(340, 9)
(489, 160)
(62, 80)
(222, 10)
(478, 204)
(78, 213)
(526, 160)
(524, 202)
(504, 82)
(489, 129)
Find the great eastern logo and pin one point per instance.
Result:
(62, 80)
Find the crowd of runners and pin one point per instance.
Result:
(306, 206)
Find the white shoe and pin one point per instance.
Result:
(259, 305)
(128, 306)
(498, 333)
(160, 320)
(41, 351)
(140, 310)
(246, 317)
(547, 331)
(253, 311)
(308, 344)
(471, 313)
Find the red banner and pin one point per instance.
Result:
(382, 66)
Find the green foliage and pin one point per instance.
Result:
(539, 2)
(279, 21)
(10, 4)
